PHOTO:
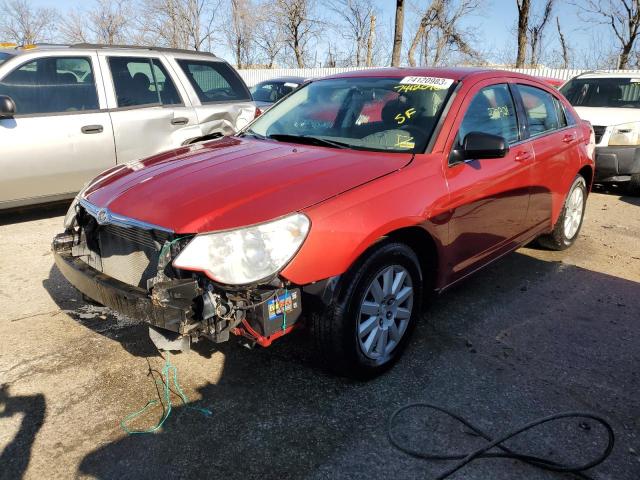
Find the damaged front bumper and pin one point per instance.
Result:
(168, 307)
(193, 307)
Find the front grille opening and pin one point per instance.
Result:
(127, 254)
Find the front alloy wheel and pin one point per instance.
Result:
(385, 312)
(367, 326)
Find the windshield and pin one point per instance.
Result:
(272, 91)
(378, 114)
(4, 57)
(603, 92)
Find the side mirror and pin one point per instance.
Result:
(7, 107)
(477, 145)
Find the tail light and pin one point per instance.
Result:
(258, 113)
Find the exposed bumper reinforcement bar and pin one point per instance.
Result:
(168, 310)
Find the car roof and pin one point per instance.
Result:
(608, 75)
(291, 79)
(457, 73)
(65, 48)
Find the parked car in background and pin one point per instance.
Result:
(611, 102)
(270, 91)
(70, 112)
(554, 82)
(350, 218)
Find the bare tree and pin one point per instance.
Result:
(73, 28)
(187, 24)
(563, 45)
(524, 7)
(428, 22)
(269, 40)
(397, 36)
(108, 22)
(623, 16)
(240, 28)
(536, 32)
(371, 38)
(355, 24)
(295, 20)
(24, 24)
(440, 23)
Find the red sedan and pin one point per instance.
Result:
(349, 201)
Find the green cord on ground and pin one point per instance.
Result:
(168, 369)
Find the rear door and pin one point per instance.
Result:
(149, 110)
(222, 101)
(554, 143)
(61, 135)
(489, 197)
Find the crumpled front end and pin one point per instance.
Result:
(126, 265)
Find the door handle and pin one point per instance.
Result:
(180, 121)
(522, 156)
(568, 138)
(92, 129)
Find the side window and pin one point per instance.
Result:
(562, 119)
(142, 81)
(540, 110)
(214, 81)
(52, 85)
(571, 119)
(491, 111)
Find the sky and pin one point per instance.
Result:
(494, 27)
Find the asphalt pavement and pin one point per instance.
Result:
(536, 333)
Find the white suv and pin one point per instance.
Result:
(611, 102)
(69, 112)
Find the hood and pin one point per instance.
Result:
(234, 182)
(606, 117)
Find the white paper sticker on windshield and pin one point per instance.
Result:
(424, 83)
(290, 85)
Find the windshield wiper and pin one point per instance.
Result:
(285, 137)
(254, 134)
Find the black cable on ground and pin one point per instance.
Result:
(483, 452)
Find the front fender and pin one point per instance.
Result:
(343, 227)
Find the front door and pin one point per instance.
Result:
(489, 197)
(60, 138)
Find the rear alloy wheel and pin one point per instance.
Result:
(367, 326)
(565, 232)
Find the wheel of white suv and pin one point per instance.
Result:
(366, 329)
(566, 230)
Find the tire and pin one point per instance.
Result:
(634, 185)
(336, 329)
(567, 228)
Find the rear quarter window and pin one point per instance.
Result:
(214, 82)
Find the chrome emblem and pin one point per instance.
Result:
(103, 216)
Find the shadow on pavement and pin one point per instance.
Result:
(522, 339)
(15, 457)
(34, 213)
(621, 191)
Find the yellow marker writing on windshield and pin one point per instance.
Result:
(404, 141)
(402, 117)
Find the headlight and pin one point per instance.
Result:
(625, 134)
(245, 255)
